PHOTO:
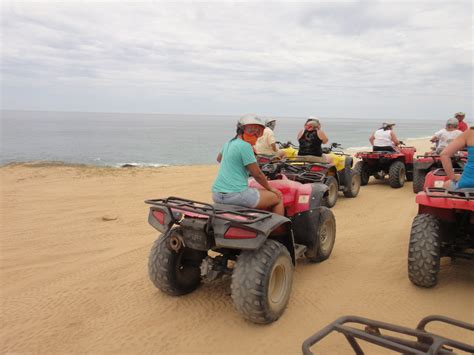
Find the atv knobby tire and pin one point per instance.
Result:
(396, 174)
(331, 198)
(363, 169)
(325, 236)
(353, 185)
(418, 180)
(424, 251)
(261, 282)
(174, 272)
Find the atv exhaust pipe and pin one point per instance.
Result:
(175, 243)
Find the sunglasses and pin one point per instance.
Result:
(253, 130)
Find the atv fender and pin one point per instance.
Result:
(305, 226)
(345, 174)
(263, 230)
(318, 191)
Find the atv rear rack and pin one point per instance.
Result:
(242, 215)
(294, 170)
(425, 343)
(440, 192)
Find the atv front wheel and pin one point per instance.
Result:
(173, 272)
(353, 185)
(424, 251)
(261, 282)
(331, 198)
(363, 169)
(418, 180)
(325, 236)
(396, 174)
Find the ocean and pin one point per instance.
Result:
(114, 139)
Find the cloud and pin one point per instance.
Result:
(274, 58)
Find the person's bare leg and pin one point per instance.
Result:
(270, 200)
(279, 208)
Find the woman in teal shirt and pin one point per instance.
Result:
(465, 180)
(237, 160)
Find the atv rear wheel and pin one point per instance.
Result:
(363, 169)
(261, 282)
(325, 236)
(353, 184)
(424, 251)
(418, 180)
(331, 198)
(173, 272)
(396, 174)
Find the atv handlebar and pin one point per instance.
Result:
(333, 148)
(286, 145)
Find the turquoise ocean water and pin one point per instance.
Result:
(112, 139)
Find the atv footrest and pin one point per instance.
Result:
(299, 250)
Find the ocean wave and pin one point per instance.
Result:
(58, 163)
(140, 165)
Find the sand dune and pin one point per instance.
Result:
(72, 282)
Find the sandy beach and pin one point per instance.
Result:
(74, 282)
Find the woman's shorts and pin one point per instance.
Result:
(247, 198)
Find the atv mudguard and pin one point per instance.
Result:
(305, 226)
(318, 190)
(344, 175)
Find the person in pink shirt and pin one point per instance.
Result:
(462, 126)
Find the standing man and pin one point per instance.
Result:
(462, 126)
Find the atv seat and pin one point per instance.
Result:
(286, 187)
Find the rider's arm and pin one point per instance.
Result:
(260, 177)
(457, 144)
(300, 133)
(394, 138)
(436, 136)
(371, 139)
(322, 136)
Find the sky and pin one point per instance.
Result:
(368, 59)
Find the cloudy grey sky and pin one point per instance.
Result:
(333, 58)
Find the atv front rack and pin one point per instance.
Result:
(423, 342)
(242, 215)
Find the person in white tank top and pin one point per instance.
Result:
(384, 139)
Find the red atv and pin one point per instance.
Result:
(394, 337)
(444, 227)
(431, 161)
(257, 249)
(398, 165)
